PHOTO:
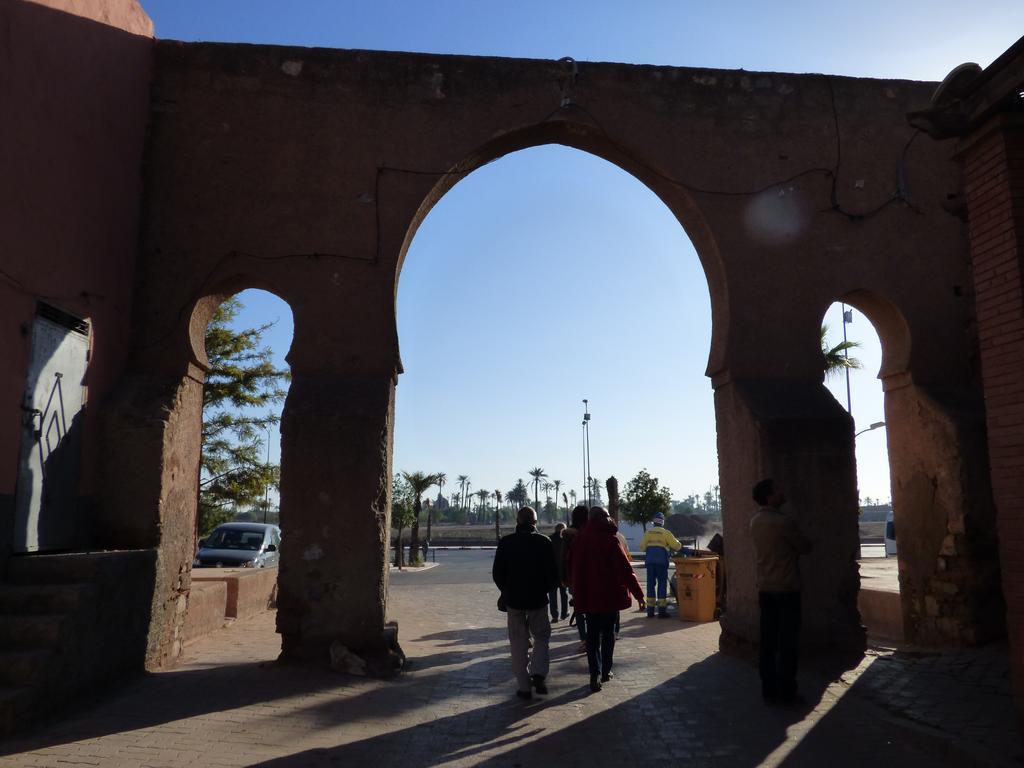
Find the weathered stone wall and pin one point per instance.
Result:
(306, 172)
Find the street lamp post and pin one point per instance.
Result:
(586, 447)
(266, 479)
(847, 318)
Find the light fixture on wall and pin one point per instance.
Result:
(876, 425)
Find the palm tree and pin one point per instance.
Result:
(566, 500)
(556, 484)
(572, 495)
(497, 516)
(537, 473)
(419, 482)
(442, 478)
(837, 359)
(462, 480)
(546, 487)
(483, 496)
(518, 495)
(468, 499)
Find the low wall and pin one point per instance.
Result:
(881, 612)
(249, 590)
(207, 604)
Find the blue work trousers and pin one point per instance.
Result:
(657, 584)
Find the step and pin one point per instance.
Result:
(16, 705)
(20, 632)
(44, 598)
(24, 668)
(78, 567)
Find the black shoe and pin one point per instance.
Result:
(565, 615)
(662, 614)
(538, 685)
(525, 695)
(554, 619)
(595, 685)
(607, 676)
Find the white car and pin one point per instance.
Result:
(890, 535)
(240, 545)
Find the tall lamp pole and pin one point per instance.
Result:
(266, 480)
(847, 318)
(586, 447)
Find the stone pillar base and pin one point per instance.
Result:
(383, 659)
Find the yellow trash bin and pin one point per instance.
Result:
(695, 587)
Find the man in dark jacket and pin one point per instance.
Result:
(779, 542)
(602, 582)
(525, 571)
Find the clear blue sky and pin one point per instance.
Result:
(551, 275)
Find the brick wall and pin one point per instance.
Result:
(994, 176)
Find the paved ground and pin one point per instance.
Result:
(674, 700)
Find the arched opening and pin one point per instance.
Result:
(856, 366)
(940, 498)
(542, 279)
(240, 339)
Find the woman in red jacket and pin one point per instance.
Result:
(602, 581)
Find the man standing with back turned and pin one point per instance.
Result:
(525, 571)
(779, 544)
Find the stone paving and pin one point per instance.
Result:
(674, 700)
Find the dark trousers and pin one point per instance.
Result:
(553, 596)
(780, 643)
(600, 642)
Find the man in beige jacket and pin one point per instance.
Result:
(779, 544)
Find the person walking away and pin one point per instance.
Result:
(778, 543)
(560, 591)
(603, 581)
(625, 548)
(657, 544)
(525, 571)
(579, 517)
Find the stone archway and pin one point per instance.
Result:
(307, 171)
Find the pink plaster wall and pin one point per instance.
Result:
(74, 85)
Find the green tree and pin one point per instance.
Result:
(418, 482)
(241, 387)
(557, 484)
(537, 474)
(644, 498)
(402, 513)
(837, 358)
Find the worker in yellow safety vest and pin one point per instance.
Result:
(657, 545)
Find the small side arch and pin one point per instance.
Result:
(891, 326)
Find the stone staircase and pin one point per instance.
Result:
(58, 629)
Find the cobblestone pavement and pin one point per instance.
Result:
(674, 699)
(964, 693)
